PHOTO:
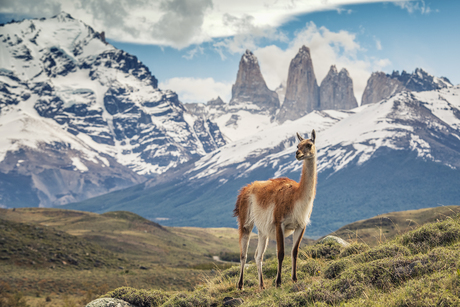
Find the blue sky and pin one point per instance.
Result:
(194, 46)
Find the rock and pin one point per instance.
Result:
(381, 85)
(302, 91)
(334, 239)
(336, 91)
(230, 301)
(216, 102)
(109, 302)
(420, 80)
(250, 86)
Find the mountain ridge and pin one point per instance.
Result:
(58, 71)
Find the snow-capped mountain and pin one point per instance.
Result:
(400, 153)
(59, 75)
(236, 121)
(94, 90)
(380, 85)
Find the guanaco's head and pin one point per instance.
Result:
(306, 148)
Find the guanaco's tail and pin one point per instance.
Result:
(242, 206)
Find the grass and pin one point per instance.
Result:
(386, 226)
(54, 257)
(417, 268)
(71, 256)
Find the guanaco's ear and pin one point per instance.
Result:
(299, 137)
(313, 135)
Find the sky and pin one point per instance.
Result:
(194, 46)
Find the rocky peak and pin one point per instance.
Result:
(63, 17)
(302, 92)
(381, 85)
(421, 80)
(250, 86)
(336, 91)
(216, 102)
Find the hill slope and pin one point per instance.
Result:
(417, 268)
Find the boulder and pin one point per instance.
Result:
(109, 302)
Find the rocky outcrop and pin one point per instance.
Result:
(336, 91)
(250, 86)
(109, 302)
(381, 85)
(302, 92)
(216, 102)
(420, 80)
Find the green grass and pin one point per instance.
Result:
(418, 268)
(67, 258)
(386, 226)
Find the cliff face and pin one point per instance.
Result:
(302, 92)
(336, 91)
(380, 86)
(250, 86)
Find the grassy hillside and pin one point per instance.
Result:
(53, 253)
(419, 268)
(385, 227)
(66, 258)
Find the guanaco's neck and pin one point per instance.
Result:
(307, 185)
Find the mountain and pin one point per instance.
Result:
(381, 85)
(401, 153)
(250, 87)
(336, 91)
(77, 105)
(302, 91)
(252, 107)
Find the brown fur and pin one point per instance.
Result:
(284, 193)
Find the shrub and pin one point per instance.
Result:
(327, 250)
(310, 267)
(194, 299)
(431, 235)
(335, 268)
(381, 252)
(354, 249)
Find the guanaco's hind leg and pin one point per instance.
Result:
(280, 251)
(259, 257)
(245, 233)
(296, 239)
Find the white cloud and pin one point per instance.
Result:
(181, 23)
(198, 90)
(327, 48)
(413, 6)
(191, 53)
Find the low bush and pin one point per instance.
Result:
(432, 235)
(353, 249)
(327, 250)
